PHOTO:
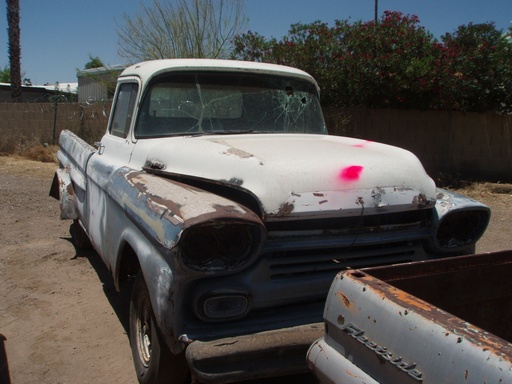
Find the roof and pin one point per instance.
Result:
(62, 87)
(101, 70)
(147, 69)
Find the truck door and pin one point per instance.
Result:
(114, 151)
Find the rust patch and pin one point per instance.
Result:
(216, 207)
(344, 299)
(453, 325)
(406, 298)
(286, 209)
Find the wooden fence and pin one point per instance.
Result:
(468, 145)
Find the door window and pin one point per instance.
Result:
(124, 109)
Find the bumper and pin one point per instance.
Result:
(260, 355)
(329, 366)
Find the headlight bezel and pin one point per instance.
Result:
(218, 247)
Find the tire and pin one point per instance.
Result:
(153, 360)
(79, 236)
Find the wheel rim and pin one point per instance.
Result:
(144, 332)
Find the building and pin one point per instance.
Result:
(98, 84)
(39, 93)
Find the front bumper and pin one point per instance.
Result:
(261, 355)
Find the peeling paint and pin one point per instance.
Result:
(239, 153)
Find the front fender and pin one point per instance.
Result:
(150, 214)
(459, 223)
(163, 208)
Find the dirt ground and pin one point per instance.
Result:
(60, 317)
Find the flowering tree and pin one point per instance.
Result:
(393, 62)
(478, 68)
(383, 64)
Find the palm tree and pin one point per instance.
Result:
(13, 19)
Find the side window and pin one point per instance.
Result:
(124, 108)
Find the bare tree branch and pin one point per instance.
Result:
(181, 28)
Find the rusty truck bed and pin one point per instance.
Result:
(446, 320)
(475, 288)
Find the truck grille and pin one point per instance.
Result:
(324, 246)
(293, 263)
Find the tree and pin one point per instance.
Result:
(181, 29)
(478, 68)
(13, 19)
(383, 64)
(5, 75)
(94, 62)
(395, 63)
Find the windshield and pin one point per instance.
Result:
(201, 103)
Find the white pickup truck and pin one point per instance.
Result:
(218, 191)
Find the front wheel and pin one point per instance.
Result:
(154, 362)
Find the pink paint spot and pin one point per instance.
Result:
(351, 173)
(362, 144)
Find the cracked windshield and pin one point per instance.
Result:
(204, 103)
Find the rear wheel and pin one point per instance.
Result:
(154, 362)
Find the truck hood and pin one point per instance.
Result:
(299, 174)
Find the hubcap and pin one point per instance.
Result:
(144, 332)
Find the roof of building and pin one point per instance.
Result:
(101, 70)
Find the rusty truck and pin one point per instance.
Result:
(217, 191)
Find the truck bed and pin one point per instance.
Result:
(439, 321)
(476, 288)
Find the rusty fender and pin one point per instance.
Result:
(73, 155)
(158, 211)
(73, 151)
(164, 208)
(62, 190)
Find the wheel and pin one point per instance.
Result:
(153, 360)
(79, 236)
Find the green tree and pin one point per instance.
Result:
(94, 62)
(5, 75)
(478, 68)
(13, 20)
(181, 28)
(395, 63)
(383, 64)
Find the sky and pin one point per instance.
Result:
(57, 36)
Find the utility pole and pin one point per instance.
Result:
(376, 10)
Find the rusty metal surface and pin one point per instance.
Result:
(396, 337)
(265, 354)
(62, 190)
(169, 207)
